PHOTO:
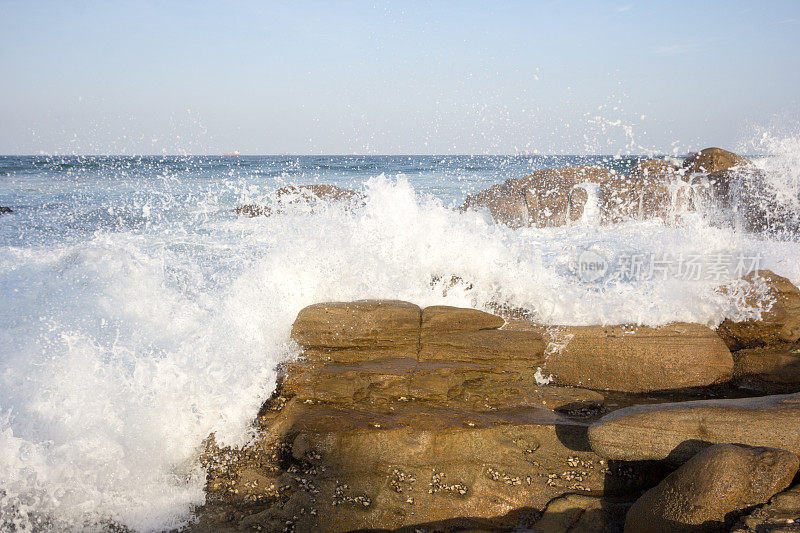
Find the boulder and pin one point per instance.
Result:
(716, 160)
(771, 369)
(505, 205)
(541, 199)
(307, 195)
(252, 210)
(554, 197)
(372, 352)
(4, 210)
(779, 324)
(780, 515)
(734, 185)
(705, 494)
(677, 431)
(634, 358)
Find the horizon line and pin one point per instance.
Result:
(619, 156)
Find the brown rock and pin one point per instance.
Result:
(703, 494)
(677, 431)
(355, 331)
(303, 194)
(415, 464)
(499, 347)
(773, 368)
(578, 513)
(440, 319)
(634, 358)
(732, 183)
(252, 210)
(541, 199)
(714, 160)
(548, 192)
(505, 205)
(321, 191)
(780, 515)
(781, 323)
(474, 386)
(644, 168)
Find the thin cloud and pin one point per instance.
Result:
(672, 49)
(624, 8)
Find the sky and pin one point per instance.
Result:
(438, 77)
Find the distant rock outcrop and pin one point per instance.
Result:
(716, 160)
(307, 195)
(4, 210)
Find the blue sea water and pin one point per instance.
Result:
(69, 197)
(139, 313)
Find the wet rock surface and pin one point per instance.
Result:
(4, 210)
(653, 188)
(779, 324)
(447, 419)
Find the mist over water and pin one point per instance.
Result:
(139, 314)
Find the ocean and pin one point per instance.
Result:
(139, 313)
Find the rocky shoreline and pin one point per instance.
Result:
(401, 418)
(447, 419)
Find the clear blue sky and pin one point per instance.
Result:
(393, 77)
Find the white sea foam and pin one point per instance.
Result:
(122, 353)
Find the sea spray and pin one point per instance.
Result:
(160, 318)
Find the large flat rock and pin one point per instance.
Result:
(677, 431)
(634, 358)
(413, 464)
(354, 331)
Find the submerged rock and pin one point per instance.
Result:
(779, 324)
(705, 494)
(307, 195)
(677, 431)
